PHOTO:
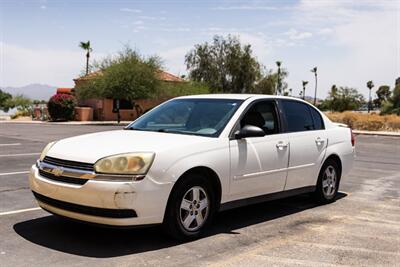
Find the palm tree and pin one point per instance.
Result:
(314, 70)
(304, 88)
(370, 85)
(278, 86)
(86, 46)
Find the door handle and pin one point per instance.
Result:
(319, 141)
(282, 145)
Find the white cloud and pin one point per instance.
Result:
(20, 66)
(261, 44)
(151, 18)
(43, 7)
(325, 31)
(139, 28)
(361, 38)
(294, 34)
(174, 59)
(177, 29)
(130, 10)
(244, 7)
(138, 22)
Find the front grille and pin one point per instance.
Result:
(100, 212)
(69, 164)
(64, 179)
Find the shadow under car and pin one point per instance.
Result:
(81, 239)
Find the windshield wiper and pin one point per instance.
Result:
(163, 130)
(134, 129)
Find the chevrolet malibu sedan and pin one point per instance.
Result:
(191, 157)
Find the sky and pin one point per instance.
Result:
(350, 42)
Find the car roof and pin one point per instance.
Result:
(236, 96)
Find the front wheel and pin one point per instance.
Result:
(190, 208)
(328, 182)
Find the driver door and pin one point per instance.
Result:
(259, 164)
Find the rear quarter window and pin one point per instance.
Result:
(317, 118)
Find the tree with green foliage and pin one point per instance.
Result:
(182, 88)
(127, 76)
(342, 98)
(86, 46)
(392, 105)
(5, 100)
(224, 65)
(370, 85)
(304, 84)
(270, 82)
(22, 103)
(382, 95)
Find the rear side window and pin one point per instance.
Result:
(318, 122)
(298, 116)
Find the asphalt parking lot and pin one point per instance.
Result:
(362, 228)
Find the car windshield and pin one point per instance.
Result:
(205, 117)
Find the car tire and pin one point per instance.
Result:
(328, 182)
(190, 208)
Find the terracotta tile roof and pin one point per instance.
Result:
(168, 77)
(89, 76)
(65, 90)
(161, 75)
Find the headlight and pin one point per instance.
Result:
(130, 163)
(45, 150)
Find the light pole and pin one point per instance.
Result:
(370, 85)
(314, 70)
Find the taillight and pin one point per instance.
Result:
(353, 138)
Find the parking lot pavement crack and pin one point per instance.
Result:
(13, 189)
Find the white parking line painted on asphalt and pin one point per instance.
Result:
(19, 155)
(13, 144)
(18, 211)
(13, 173)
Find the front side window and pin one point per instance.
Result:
(263, 115)
(205, 117)
(298, 116)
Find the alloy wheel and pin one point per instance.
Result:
(194, 208)
(329, 181)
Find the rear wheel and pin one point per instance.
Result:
(328, 182)
(190, 208)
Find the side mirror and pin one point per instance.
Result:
(249, 131)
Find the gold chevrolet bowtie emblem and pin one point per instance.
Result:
(57, 171)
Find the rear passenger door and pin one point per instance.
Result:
(259, 164)
(307, 141)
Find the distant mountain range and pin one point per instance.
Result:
(33, 91)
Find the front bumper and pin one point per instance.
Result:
(103, 202)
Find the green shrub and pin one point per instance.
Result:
(61, 107)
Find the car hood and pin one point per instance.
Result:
(91, 147)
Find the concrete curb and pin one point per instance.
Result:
(378, 133)
(76, 123)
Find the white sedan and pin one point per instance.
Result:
(191, 157)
